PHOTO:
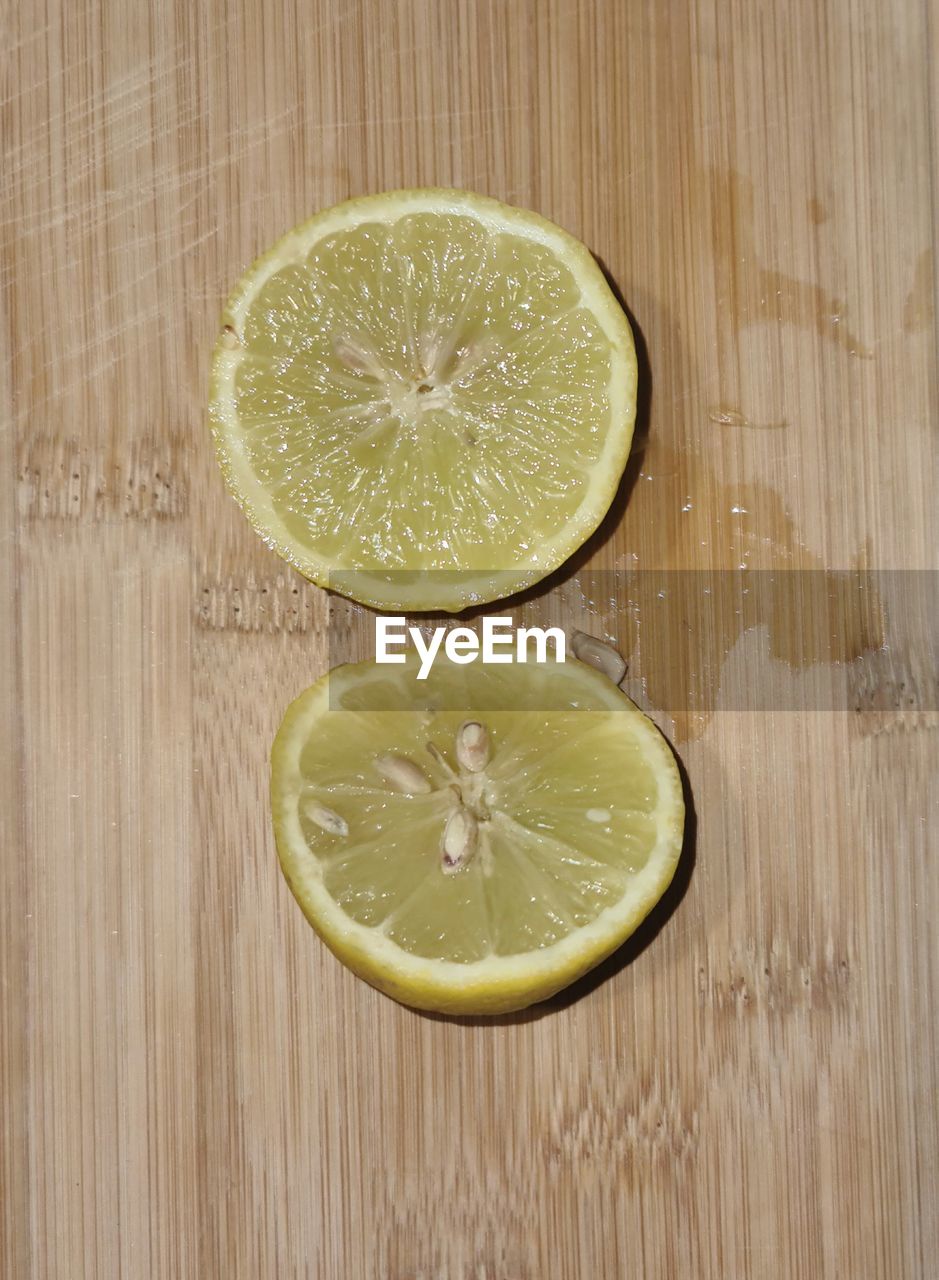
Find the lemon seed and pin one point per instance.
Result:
(473, 746)
(460, 838)
(403, 774)
(599, 655)
(328, 819)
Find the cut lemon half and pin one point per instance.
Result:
(424, 399)
(474, 842)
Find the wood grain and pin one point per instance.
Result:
(191, 1085)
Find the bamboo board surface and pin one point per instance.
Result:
(191, 1084)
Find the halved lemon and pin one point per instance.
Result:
(474, 842)
(424, 399)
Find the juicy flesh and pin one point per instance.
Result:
(566, 816)
(429, 359)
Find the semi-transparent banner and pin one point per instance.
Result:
(695, 641)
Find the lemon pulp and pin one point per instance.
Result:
(578, 816)
(424, 399)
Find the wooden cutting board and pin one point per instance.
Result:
(191, 1085)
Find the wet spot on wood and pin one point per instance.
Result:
(919, 309)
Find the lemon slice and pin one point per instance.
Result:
(424, 399)
(474, 842)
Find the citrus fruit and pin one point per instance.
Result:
(424, 399)
(475, 842)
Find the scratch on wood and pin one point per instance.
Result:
(68, 480)
(618, 1122)
(285, 603)
(896, 689)
(778, 983)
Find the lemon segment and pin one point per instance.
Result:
(424, 381)
(574, 808)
